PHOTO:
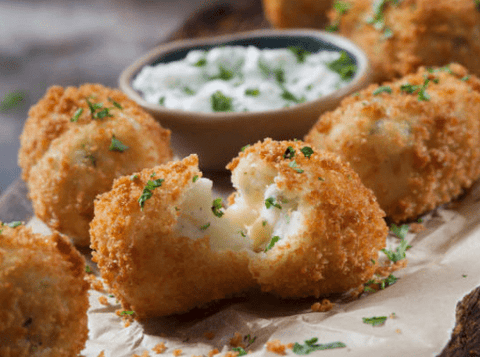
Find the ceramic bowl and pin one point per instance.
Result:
(218, 137)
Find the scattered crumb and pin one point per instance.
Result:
(103, 300)
(127, 319)
(209, 335)
(237, 340)
(290, 345)
(324, 306)
(389, 269)
(417, 227)
(144, 354)
(177, 352)
(95, 283)
(393, 315)
(398, 330)
(159, 348)
(276, 346)
(231, 354)
(101, 354)
(213, 352)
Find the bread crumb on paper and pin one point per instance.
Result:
(213, 352)
(159, 348)
(209, 335)
(276, 346)
(177, 352)
(237, 340)
(324, 306)
(95, 283)
(101, 354)
(417, 227)
(144, 354)
(103, 300)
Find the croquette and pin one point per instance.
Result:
(161, 244)
(75, 142)
(414, 141)
(300, 224)
(313, 225)
(43, 295)
(297, 13)
(401, 35)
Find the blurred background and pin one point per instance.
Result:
(68, 42)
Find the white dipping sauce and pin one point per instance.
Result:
(237, 78)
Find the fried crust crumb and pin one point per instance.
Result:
(95, 283)
(417, 227)
(237, 340)
(276, 346)
(101, 354)
(103, 300)
(324, 306)
(177, 352)
(209, 335)
(213, 352)
(159, 348)
(144, 354)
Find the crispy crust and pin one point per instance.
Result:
(424, 32)
(295, 13)
(414, 154)
(149, 268)
(43, 295)
(343, 229)
(66, 164)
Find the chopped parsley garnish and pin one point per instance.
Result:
(147, 191)
(333, 27)
(216, 207)
(245, 148)
(201, 62)
(388, 33)
(270, 202)
(117, 145)
(466, 78)
(76, 115)
(242, 233)
(287, 95)
(399, 253)
(188, 90)
(92, 159)
(88, 270)
(264, 223)
(312, 345)
(253, 92)
(205, 226)
(93, 107)
(293, 165)
(224, 74)
(105, 112)
(127, 312)
(300, 53)
(321, 179)
(249, 340)
(133, 177)
(382, 89)
(195, 178)
(220, 102)
(161, 101)
(307, 151)
(270, 245)
(115, 104)
(240, 351)
(289, 153)
(422, 94)
(277, 73)
(382, 284)
(464, 275)
(341, 8)
(375, 320)
(12, 100)
(14, 224)
(344, 66)
(400, 232)
(477, 4)
(153, 174)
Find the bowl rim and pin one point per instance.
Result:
(358, 82)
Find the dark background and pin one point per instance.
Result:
(69, 43)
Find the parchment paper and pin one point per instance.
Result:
(443, 267)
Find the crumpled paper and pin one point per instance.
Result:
(442, 268)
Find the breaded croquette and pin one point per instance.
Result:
(297, 13)
(401, 35)
(75, 142)
(43, 295)
(161, 243)
(314, 227)
(301, 224)
(414, 142)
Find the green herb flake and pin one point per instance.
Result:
(289, 153)
(399, 253)
(334, 27)
(115, 104)
(312, 345)
(104, 113)
(307, 151)
(375, 320)
(293, 165)
(264, 223)
(388, 33)
(300, 53)
(245, 148)
(205, 226)
(466, 78)
(287, 95)
(321, 179)
(270, 202)
(242, 233)
(76, 115)
(220, 102)
(388, 281)
(133, 177)
(148, 190)
(117, 145)
(13, 224)
(382, 89)
(464, 275)
(344, 66)
(240, 351)
(341, 7)
(216, 207)
(195, 178)
(400, 232)
(12, 100)
(153, 174)
(249, 339)
(253, 92)
(224, 74)
(93, 107)
(88, 270)
(273, 241)
(201, 62)
(124, 312)
(161, 101)
(188, 91)
(477, 4)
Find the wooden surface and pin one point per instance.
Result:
(230, 17)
